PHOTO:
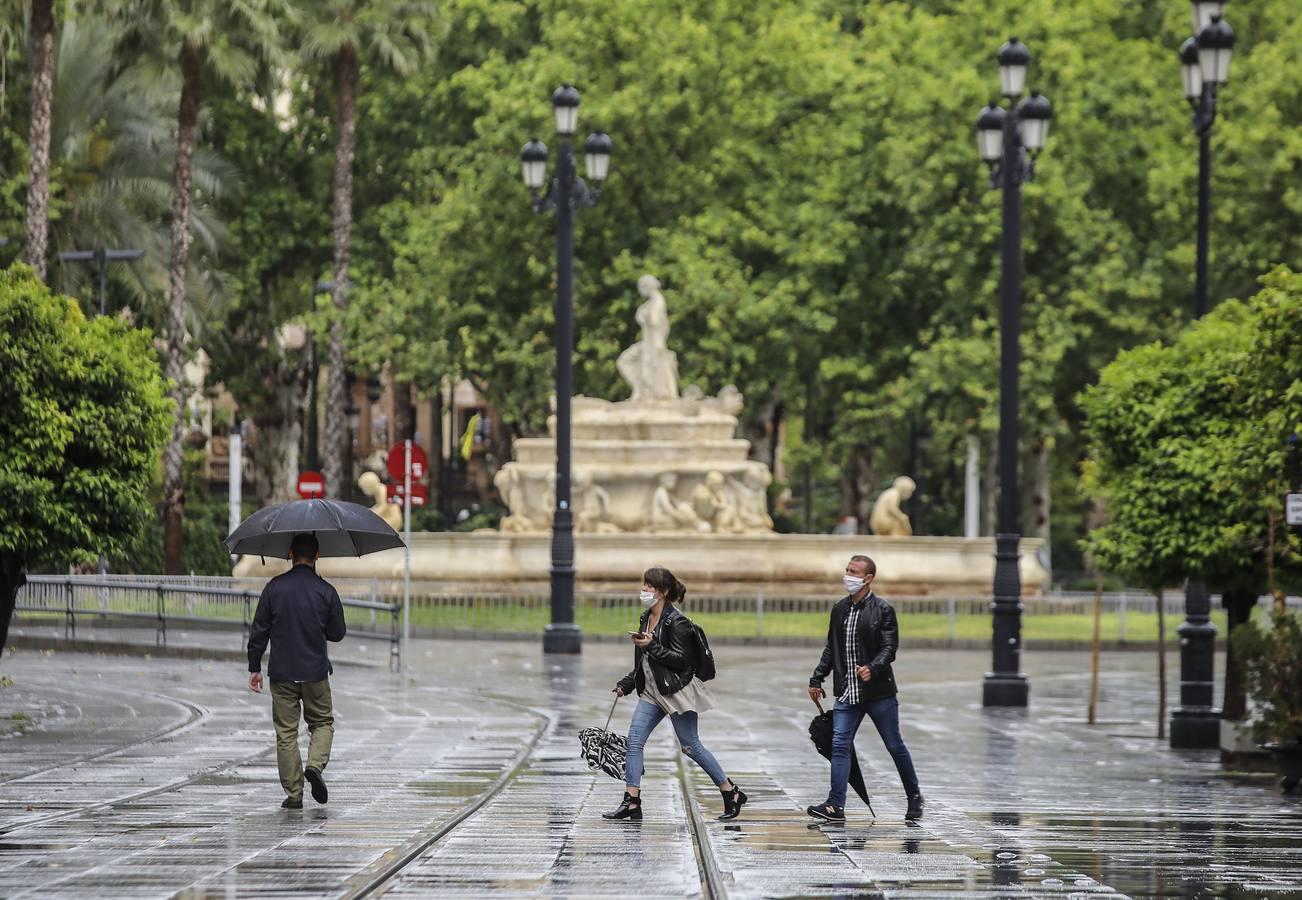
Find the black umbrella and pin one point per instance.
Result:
(342, 529)
(820, 732)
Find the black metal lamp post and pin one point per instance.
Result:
(1008, 141)
(568, 193)
(1205, 60)
(101, 258)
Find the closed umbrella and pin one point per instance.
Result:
(820, 732)
(341, 528)
(603, 750)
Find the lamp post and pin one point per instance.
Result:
(1205, 61)
(568, 193)
(1009, 141)
(101, 258)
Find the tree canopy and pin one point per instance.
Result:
(82, 420)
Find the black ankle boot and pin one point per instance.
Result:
(733, 801)
(631, 808)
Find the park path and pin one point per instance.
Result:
(155, 778)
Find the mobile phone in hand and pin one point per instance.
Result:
(636, 634)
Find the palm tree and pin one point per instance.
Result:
(232, 40)
(111, 135)
(397, 34)
(38, 140)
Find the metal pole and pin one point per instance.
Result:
(1006, 685)
(562, 635)
(102, 258)
(406, 549)
(234, 479)
(1196, 722)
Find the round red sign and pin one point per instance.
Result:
(311, 485)
(419, 462)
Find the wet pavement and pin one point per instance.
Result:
(156, 778)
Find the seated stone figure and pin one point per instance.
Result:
(752, 498)
(714, 504)
(592, 506)
(511, 487)
(888, 517)
(667, 514)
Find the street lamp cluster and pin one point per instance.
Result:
(1008, 141)
(1205, 63)
(568, 193)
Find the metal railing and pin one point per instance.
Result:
(1063, 615)
(164, 600)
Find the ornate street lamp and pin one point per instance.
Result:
(568, 193)
(1008, 141)
(1205, 67)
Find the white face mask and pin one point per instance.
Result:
(852, 584)
(648, 598)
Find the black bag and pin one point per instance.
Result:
(704, 657)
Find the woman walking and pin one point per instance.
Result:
(664, 674)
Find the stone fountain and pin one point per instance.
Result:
(662, 479)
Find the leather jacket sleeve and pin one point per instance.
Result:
(825, 661)
(673, 652)
(628, 683)
(890, 641)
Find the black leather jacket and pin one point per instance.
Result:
(878, 634)
(673, 657)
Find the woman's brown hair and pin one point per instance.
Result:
(664, 581)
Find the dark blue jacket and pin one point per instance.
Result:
(298, 611)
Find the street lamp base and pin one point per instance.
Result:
(564, 638)
(1196, 728)
(1005, 690)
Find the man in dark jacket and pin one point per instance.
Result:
(298, 611)
(862, 638)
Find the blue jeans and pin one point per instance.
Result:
(885, 714)
(645, 719)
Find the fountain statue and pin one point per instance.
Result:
(663, 461)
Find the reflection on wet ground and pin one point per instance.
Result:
(155, 778)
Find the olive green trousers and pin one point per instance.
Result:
(311, 700)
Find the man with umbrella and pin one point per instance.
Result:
(299, 612)
(862, 638)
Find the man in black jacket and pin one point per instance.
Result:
(862, 638)
(298, 611)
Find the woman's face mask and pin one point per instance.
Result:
(648, 598)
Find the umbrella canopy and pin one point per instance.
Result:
(820, 732)
(342, 529)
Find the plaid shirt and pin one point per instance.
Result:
(851, 695)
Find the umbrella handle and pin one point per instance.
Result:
(820, 706)
(612, 714)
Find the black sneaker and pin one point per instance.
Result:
(291, 803)
(319, 792)
(827, 812)
(915, 807)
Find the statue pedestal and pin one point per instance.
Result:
(792, 564)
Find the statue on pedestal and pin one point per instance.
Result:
(373, 487)
(649, 366)
(888, 518)
(591, 506)
(714, 505)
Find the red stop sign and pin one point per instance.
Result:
(397, 457)
(311, 484)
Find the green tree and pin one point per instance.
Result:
(83, 415)
(396, 35)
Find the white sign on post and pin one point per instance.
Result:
(1293, 509)
(406, 551)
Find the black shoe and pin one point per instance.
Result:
(631, 808)
(291, 803)
(915, 807)
(733, 801)
(319, 792)
(827, 812)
